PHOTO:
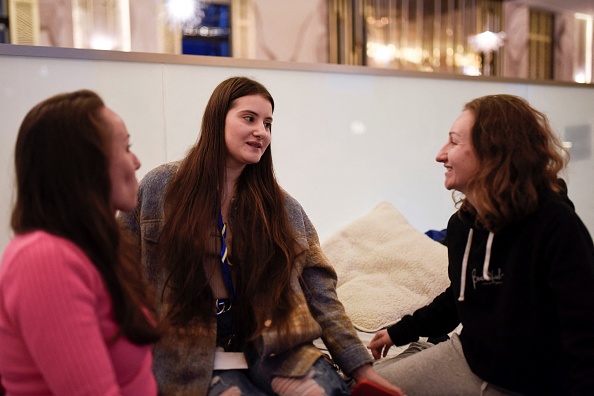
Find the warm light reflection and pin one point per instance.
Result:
(412, 55)
(470, 63)
(381, 53)
(403, 37)
(580, 77)
(101, 42)
(471, 70)
(386, 53)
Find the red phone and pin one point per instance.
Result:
(365, 387)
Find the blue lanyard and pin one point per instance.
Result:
(225, 266)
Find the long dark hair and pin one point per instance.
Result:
(63, 188)
(519, 156)
(263, 241)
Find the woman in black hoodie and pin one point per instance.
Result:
(521, 268)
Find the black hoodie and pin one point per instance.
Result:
(528, 317)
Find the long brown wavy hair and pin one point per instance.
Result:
(263, 240)
(63, 187)
(519, 156)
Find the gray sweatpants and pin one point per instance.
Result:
(436, 370)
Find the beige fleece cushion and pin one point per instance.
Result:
(386, 268)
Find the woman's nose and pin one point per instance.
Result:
(136, 162)
(441, 155)
(260, 130)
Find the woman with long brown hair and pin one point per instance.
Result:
(521, 266)
(74, 315)
(242, 284)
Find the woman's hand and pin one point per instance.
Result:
(370, 374)
(380, 344)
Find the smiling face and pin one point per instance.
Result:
(122, 163)
(458, 155)
(247, 130)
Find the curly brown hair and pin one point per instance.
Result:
(519, 156)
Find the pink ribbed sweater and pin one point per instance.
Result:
(56, 320)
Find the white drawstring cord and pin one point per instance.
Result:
(486, 275)
(464, 266)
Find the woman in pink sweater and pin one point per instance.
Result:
(73, 310)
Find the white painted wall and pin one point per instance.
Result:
(336, 174)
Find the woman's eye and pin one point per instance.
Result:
(249, 118)
(268, 125)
